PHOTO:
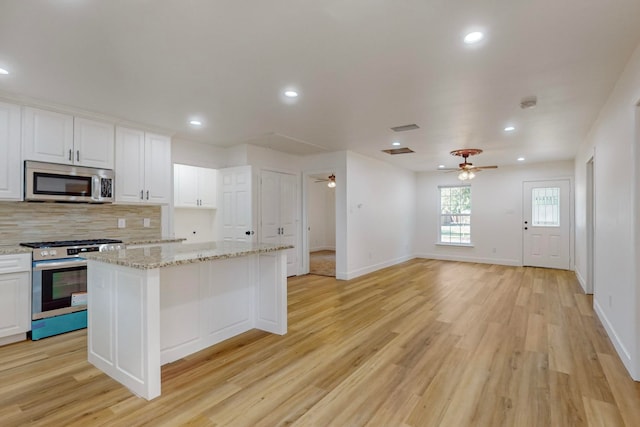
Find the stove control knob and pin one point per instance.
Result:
(44, 253)
(53, 253)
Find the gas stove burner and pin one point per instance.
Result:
(69, 243)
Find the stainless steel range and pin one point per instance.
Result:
(59, 284)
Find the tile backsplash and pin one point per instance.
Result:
(31, 221)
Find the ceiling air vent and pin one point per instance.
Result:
(393, 151)
(404, 128)
(528, 102)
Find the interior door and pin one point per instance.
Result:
(547, 224)
(235, 196)
(278, 213)
(289, 229)
(270, 207)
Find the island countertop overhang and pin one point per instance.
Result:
(168, 255)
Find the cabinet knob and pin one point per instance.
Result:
(141, 194)
(70, 155)
(147, 194)
(78, 155)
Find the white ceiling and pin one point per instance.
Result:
(361, 67)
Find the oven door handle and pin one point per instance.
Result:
(61, 264)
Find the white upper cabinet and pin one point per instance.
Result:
(54, 137)
(93, 143)
(207, 187)
(185, 186)
(10, 163)
(143, 167)
(194, 187)
(157, 168)
(47, 136)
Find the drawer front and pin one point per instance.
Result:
(15, 263)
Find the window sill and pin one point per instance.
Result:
(464, 245)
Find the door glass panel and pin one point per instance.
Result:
(545, 207)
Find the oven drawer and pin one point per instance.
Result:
(15, 263)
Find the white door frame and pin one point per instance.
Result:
(590, 223)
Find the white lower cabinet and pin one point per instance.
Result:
(15, 297)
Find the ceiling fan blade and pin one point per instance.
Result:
(486, 167)
(448, 169)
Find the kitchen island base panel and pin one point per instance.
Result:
(142, 319)
(123, 325)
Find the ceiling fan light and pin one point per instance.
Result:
(463, 176)
(331, 184)
(471, 175)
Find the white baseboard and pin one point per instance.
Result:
(622, 351)
(371, 268)
(498, 261)
(583, 283)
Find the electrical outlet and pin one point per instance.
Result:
(146, 222)
(122, 223)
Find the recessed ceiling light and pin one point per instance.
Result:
(440, 166)
(521, 159)
(395, 143)
(196, 122)
(291, 94)
(3, 71)
(509, 129)
(473, 37)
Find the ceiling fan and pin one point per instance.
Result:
(331, 181)
(466, 169)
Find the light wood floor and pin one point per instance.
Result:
(322, 263)
(424, 343)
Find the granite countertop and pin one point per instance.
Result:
(153, 241)
(168, 255)
(14, 249)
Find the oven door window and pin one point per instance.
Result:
(58, 285)
(61, 185)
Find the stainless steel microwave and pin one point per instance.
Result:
(67, 183)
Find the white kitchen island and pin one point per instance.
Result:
(151, 306)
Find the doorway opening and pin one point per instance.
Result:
(321, 225)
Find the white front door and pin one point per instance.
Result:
(235, 198)
(547, 224)
(278, 213)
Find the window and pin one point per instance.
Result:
(545, 207)
(455, 215)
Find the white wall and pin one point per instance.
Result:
(613, 141)
(381, 214)
(497, 218)
(321, 211)
(195, 225)
(197, 154)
